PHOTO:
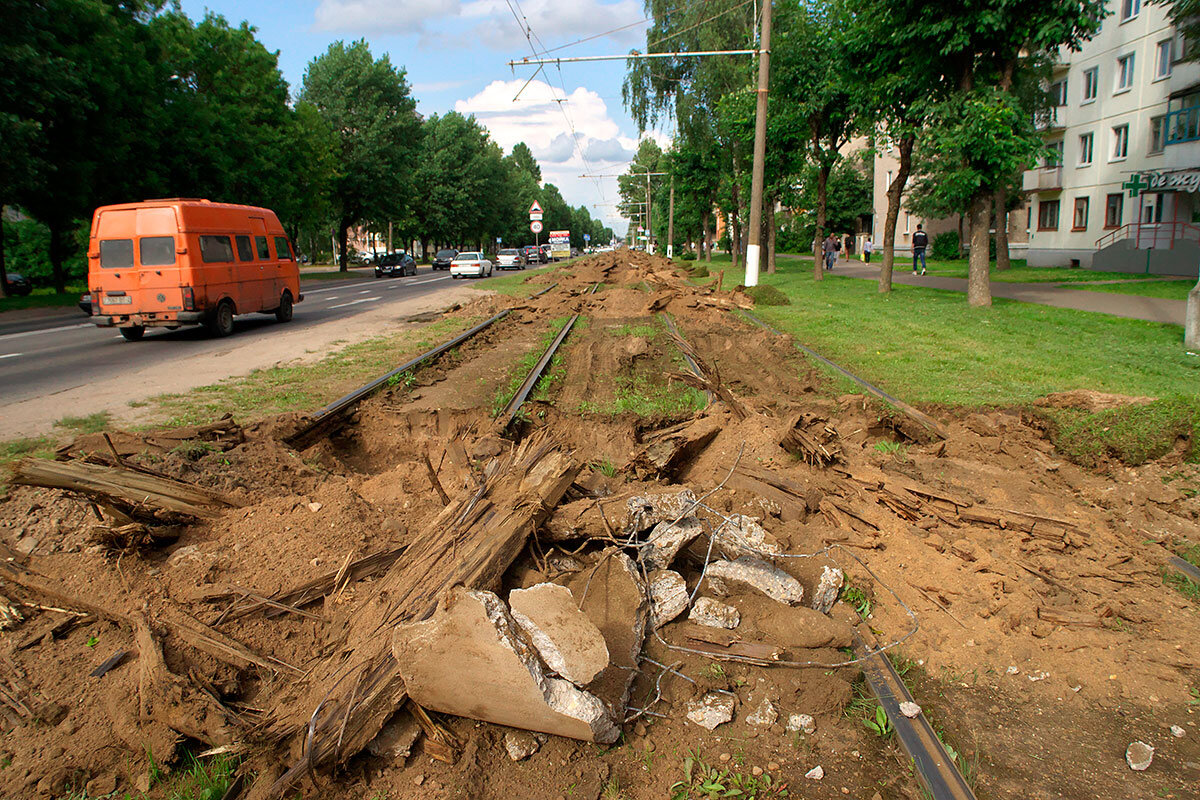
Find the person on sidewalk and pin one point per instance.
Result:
(829, 251)
(868, 248)
(919, 243)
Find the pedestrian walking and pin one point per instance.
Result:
(867, 250)
(829, 251)
(920, 241)
(837, 247)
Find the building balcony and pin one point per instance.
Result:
(1052, 120)
(1042, 179)
(1183, 125)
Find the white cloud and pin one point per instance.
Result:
(553, 20)
(609, 150)
(560, 151)
(381, 16)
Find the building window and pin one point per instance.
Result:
(1086, 147)
(1048, 215)
(1079, 221)
(1124, 74)
(1158, 131)
(1130, 9)
(1120, 148)
(1152, 207)
(1162, 65)
(907, 222)
(1058, 92)
(1112, 210)
(1054, 155)
(1091, 83)
(1028, 217)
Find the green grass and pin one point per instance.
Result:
(35, 446)
(928, 346)
(92, 423)
(302, 387)
(519, 371)
(44, 298)
(647, 397)
(1169, 290)
(1131, 434)
(513, 283)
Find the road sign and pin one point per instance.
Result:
(535, 211)
(535, 217)
(560, 244)
(497, 240)
(535, 226)
(587, 237)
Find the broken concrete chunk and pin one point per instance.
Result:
(815, 774)
(395, 742)
(726, 577)
(668, 597)
(1138, 756)
(711, 710)
(522, 744)
(910, 710)
(827, 589)
(797, 627)
(740, 535)
(613, 596)
(667, 539)
(470, 660)
(801, 723)
(765, 715)
(714, 614)
(646, 511)
(569, 642)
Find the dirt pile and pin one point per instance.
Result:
(1026, 592)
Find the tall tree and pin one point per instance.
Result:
(367, 103)
(522, 156)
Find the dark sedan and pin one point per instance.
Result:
(18, 285)
(394, 264)
(443, 258)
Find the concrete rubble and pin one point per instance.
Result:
(801, 723)
(815, 774)
(668, 597)
(570, 643)
(522, 744)
(646, 511)
(1139, 756)
(395, 742)
(714, 614)
(765, 715)
(910, 710)
(497, 677)
(666, 539)
(827, 590)
(711, 710)
(740, 535)
(726, 577)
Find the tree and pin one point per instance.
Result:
(367, 103)
(522, 156)
(632, 186)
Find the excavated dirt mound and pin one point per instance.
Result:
(1045, 637)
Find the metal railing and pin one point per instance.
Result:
(1152, 235)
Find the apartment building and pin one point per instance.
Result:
(1120, 191)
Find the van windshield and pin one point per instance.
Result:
(157, 251)
(116, 254)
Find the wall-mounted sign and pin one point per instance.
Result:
(1178, 180)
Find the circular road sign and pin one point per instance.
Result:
(535, 226)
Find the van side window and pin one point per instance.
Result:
(264, 252)
(157, 251)
(215, 249)
(116, 253)
(281, 248)
(243, 246)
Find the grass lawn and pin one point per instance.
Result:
(929, 346)
(510, 282)
(44, 298)
(1171, 290)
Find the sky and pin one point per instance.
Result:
(455, 53)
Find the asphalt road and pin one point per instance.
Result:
(44, 356)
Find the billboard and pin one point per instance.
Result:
(560, 244)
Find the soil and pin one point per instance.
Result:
(1041, 650)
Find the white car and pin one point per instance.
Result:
(510, 259)
(470, 264)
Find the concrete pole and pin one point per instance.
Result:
(753, 249)
(1191, 324)
(649, 230)
(389, 237)
(671, 222)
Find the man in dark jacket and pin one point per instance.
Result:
(919, 243)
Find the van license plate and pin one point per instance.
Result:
(118, 301)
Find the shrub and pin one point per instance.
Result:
(698, 270)
(767, 296)
(945, 246)
(689, 255)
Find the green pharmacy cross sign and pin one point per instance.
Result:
(1135, 185)
(1175, 180)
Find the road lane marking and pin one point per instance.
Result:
(11, 355)
(366, 291)
(7, 336)
(356, 302)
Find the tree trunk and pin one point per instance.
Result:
(895, 194)
(979, 289)
(704, 220)
(343, 244)
(770, 215)
(962, 240)
(1000, 208)
(819, 235)
(3, 268)
(735, 234)
(56, 256)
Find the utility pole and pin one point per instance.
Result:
(671, 222)
(389, 236)
(649, 229)
(753, 249)
(631, 173)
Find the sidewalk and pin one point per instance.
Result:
(1151, 309)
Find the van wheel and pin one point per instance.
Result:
(284, 312)
(221, 323)
(133, 333)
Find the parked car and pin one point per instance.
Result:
(168, 263)
(443, 258)
(394, 264)
(18, 285)
(533, 255)
(470, 264)
(510, 259)
(85, 303)
(547, 254)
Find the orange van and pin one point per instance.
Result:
(174, 262)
